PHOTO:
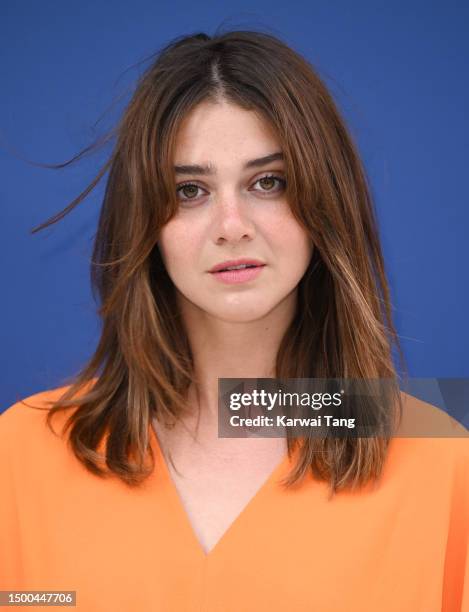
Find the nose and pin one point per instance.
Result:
(232, 220)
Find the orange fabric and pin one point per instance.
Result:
(400, 547)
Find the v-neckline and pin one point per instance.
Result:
(235, 524)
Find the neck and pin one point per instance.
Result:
(227, 349)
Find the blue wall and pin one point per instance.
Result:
(399, 73)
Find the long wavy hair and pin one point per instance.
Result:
(143, 366)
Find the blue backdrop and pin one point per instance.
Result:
(398, 71)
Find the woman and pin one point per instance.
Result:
(231, 149)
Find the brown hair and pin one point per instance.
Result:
(343, 327)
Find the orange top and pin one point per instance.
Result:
(400, 547)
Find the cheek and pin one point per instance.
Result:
(283, 227)
(175, 245)
(292, 240)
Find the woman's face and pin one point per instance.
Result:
(232, 208)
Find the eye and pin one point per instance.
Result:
(268, 181)
(190, 191)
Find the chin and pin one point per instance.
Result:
(240, 314)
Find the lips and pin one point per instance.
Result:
(236, 262)
(237, 276)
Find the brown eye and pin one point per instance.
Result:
(189, 191)
(268, 183)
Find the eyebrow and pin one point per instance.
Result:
(210, 169)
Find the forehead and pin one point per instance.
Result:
(223, 130)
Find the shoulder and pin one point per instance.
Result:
(430, 441)
(423, 419)
(29, 412)
(25, 439)
(24, 427)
